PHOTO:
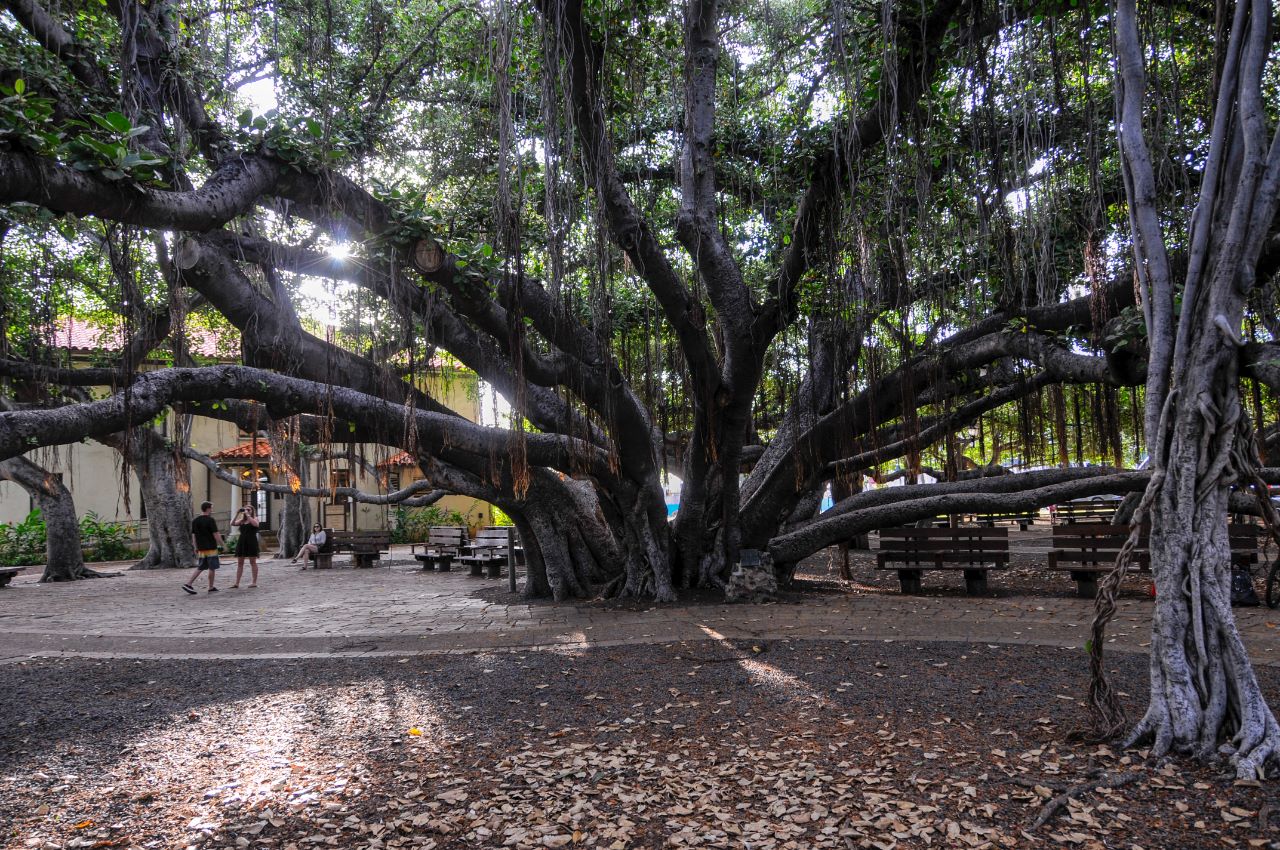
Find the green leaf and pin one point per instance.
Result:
(19, 86)
(116, 121)
(244, 119)
(1088, 646)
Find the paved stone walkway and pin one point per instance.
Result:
(403, 611)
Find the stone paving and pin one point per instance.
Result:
(402, 610)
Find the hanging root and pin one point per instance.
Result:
(1106, 713)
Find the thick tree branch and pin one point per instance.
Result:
(407, 497)
(152, 392)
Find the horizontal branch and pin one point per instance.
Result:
(406, 497)
(152, 392)
(897, 506)
(231, 191)
(798, 544)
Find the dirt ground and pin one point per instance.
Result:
(749, 745)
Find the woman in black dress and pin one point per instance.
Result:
(247, 544)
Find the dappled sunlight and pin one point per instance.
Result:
(251, 763)
(762, 672)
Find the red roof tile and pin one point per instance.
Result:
(245, 451)
(79, 335)
(401, 459)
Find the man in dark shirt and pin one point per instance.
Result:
(207, 539)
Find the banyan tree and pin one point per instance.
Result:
(774, 248)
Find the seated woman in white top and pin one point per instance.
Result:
(312, 547)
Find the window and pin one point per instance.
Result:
(393, 482)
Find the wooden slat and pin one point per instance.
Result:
(945, 557)
(1095, 557)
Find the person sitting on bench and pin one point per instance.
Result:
(318, 542)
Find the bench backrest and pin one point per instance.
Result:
(1093, 535)
(447, 535)
(491, 538)
(360, 538)
(1105, 540)
(1099, 509)
(945, 539)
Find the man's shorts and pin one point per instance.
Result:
(208, 560)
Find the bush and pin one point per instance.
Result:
(413, 525)
(103, 540)
(22, 544)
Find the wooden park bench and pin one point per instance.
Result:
(7, 574)
(1086, 510)
(490, 550)
(444, 543)
(365, 546)
(973, 550)
(1087, 549)
(1022, 518)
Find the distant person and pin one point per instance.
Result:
(247, 543)
(207, 539)
(316, 543)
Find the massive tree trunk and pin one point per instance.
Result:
(64, 560)
(166, 493)
(1205, 698)
(295, 525)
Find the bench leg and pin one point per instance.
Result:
(5, 578)
(910, 580)
(428, 564)
(477, 569)
(324, 561)
(1086, 585)
(975, 582)
(446, 563)
(495, 569)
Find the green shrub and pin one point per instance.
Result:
(22, 544)
(103, 540)
(413, 525)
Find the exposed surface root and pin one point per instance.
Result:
(1104, 780)
(83, 572)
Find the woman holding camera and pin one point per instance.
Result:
(247, 544)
